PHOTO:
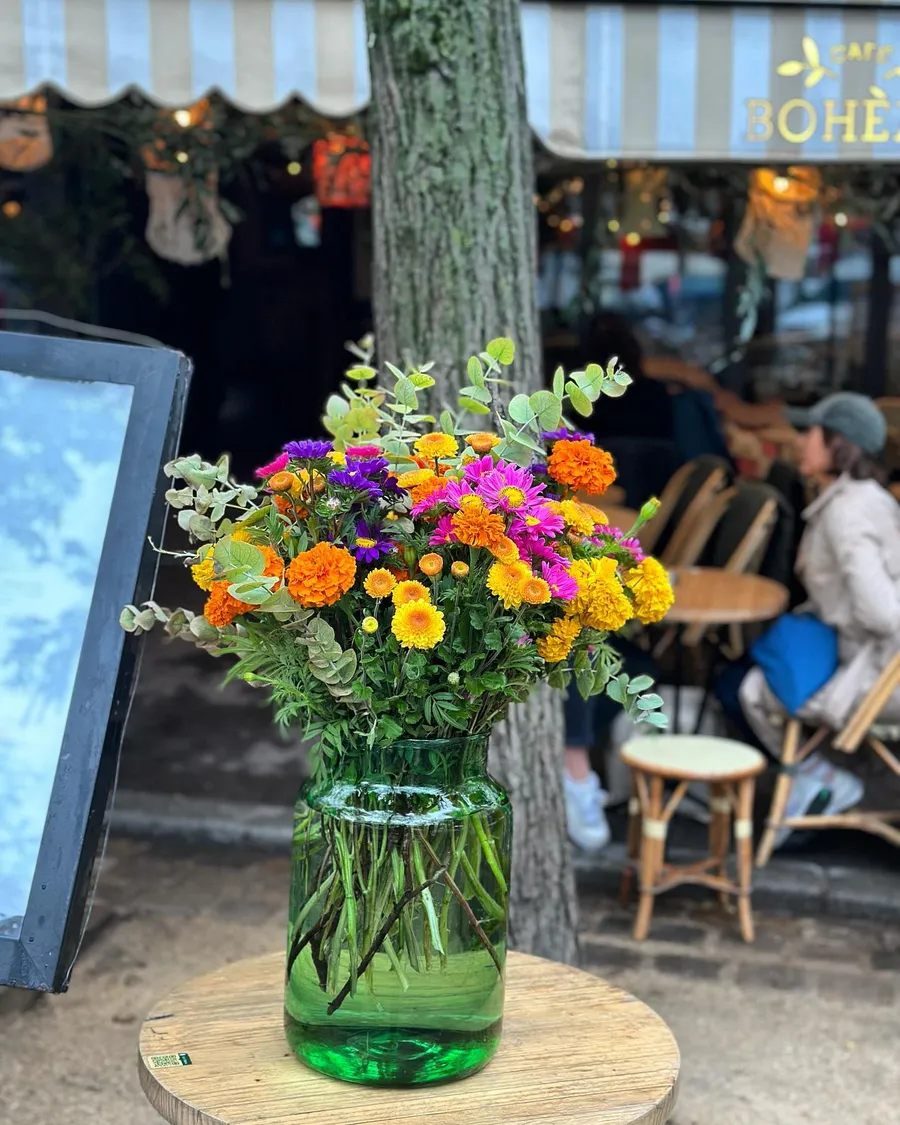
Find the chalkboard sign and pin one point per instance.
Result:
(85, 429)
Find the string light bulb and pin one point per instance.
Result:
(294, 168)
(613, 225)
(182, 157)
(633, 238)
(781, 184)
(840, 219)
(182, 117)
(566, 225)
(12, 208)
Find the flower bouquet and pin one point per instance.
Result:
(395, 589)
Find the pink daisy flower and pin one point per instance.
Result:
(276, 466)
(475, 470)
(362, 451)
(533, 546)
(509, 488)
(542, 520)
(430, 501)
(443, 533)
(561, 583)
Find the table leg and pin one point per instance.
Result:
(743, 842)
(653, 844)
(679, 675)
(633, 845)
(720, 805)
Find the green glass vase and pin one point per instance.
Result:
(398, 911)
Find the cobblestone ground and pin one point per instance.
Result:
(799, 1029)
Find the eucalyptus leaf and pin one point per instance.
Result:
(475, 371)
(502, 349)
(613, 390)
(579, 400)
(559, 382)
(473, 407)
(234, 555)
(520, 409)
(548, 409)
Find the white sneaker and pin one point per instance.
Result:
(585, 819)
(821, 788)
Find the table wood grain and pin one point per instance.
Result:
(711, 596)
(574, 1049)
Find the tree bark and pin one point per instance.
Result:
(455, 264)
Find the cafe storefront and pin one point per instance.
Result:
(649, 120)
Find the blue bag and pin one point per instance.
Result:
(798, 656)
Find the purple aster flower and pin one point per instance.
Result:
(561, 583)
(369, 543)
(350, 478)
(563, 434)
(370, 466)
(311, 450)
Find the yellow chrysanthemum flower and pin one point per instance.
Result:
(338, 457)
(379, 583)
(241, 535)
(415, 477)
(204, 573)
(436, 445)
(653, 596)
(410, 591)
(418, 624)
(369, 625)
(601, 602)
(505, 581)
(576, 516)
(558, 643)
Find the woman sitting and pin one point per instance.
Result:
(849, 564)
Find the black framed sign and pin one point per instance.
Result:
(85, 429)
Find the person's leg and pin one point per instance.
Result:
(585, 819)
(818, 786)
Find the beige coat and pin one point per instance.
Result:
(849, 562)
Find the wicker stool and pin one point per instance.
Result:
(731, 770)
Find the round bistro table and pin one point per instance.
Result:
(213, 1052)
(712, 596)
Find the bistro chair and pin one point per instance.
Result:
(684, 499)
(862, 728)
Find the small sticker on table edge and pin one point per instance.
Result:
(157, 1062)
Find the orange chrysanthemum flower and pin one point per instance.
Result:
(379, 583)
(285, 482)
(405, 592)
(506, 550)
(459, 569)
(535, 591)
(321, 576)
(431, 564)
(581, 465)
(221, 608)
(482, 442)
(475, 526)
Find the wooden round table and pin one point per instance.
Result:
(711, 596)
(573, 1048)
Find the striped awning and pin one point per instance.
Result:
(655, 82)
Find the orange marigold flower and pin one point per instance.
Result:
(321, 576)
(431, 564)
(482, 442)
(287, 507)
(475, 526)
(535, 591)
(379, 583)
(506, 550)
(221, 608)
(423, 491)
(274, 567)
(581, 465)
(406, 592)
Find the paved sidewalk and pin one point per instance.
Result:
(799, 1029)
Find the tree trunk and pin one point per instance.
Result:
(455, 264)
